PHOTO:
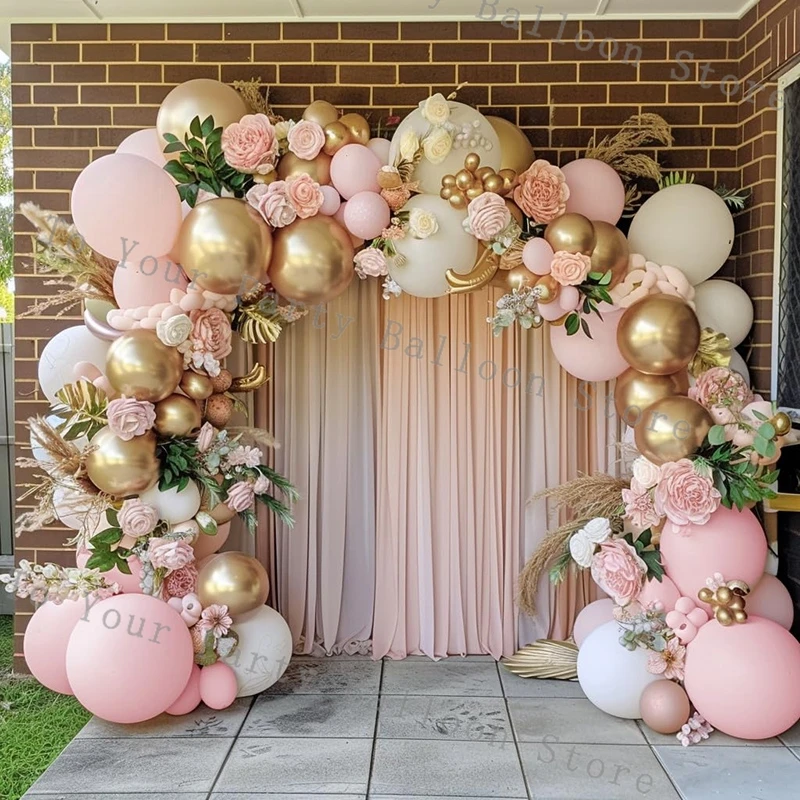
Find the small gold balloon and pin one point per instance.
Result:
(472, 162)
(782, 423)
(449, 180)
(493, 183)
(321, 112)
(464, 179)
(484, 172)
(519, 277)
(635, 391)
(122, 468)
(198, 387)
(225, 246)
(336, 137)
(658, 335)
(474, 191)
(319, 169)
(549, 288)
(573, 233)
(611, 252)
(446, 193)
(458, 201)
(177, 416)
(507, 175)
(235, 580)
(140, 365)
(672, 428)
(516, 151)
(357, 126)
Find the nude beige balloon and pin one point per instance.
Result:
(140, 365)
(122, 468)
(235, 580)
(664, 706)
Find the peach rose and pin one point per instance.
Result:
(211, 332)
(250, 145)
(639, 507)
(128, 417)
(305, 195)
(684, 495)
(370, 262)
(306, 139)
(488, 215)
(542, 192)
(619, 571)
(570, 269)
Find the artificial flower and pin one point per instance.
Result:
(273, 203)
(244, 456)
(694, 731)
(205, 437)
(306, 139)
(597, 530)
(240, 496)
(283, 128)
(370, 262)
(422, 223)
(181, 582)
(721, 386)
(409, 144)
(669, 662)
(55, 584)
(542, 192)
(137, 518)
(250, 145)
(215, 619)
(391, 288)
(684, 495)
(262, 485)
(436, 146)
(488, 215)
(619, 571)
(570, 269)
(169, 554)
(128, 417)
(646, 472)
(175, 330)
(581, 550)
(396, 198)
(639, 506)
(211, 332)
(305, 195)
(436, 109)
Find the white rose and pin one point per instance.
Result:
(436, 109)
(581, 549)
(597, 530)
(409, 144)
(646, 472)
(437, 145)
(422, 223)
(175, 330)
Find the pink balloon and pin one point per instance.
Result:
(339, 217)
(591, 617)
(595, 190)
(144, 143)
(569, 298)
(537, 256)
(332, 201)
(190, 696)
(771, 600)
(595, 359)
(121, 199)
(128, 583)
(147, 282)
(732, 543)
(366, 215)
(46, 639)
(206, 545)
(381, 148)
(665, 592)
(218, 686)
(550, 311)
(130, 658)
(745, 679)
(354, 169)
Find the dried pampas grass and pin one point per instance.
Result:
(250, 92)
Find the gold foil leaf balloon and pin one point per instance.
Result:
(140, 365)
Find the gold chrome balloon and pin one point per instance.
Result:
(140, 365)
(336, 137)
(659, 334)
(672, 428)
(177, 416)
(519, 277)
(357, 126)
(225, 246)
(472, 162)
(573, 233)
(235, 580)
(782, 423)
(312, 260)
(196, 386)
(611, 252)
(321, 112)
(548, 288)
(516, 151)
(635, 391)
(122, 468)
(319, 169)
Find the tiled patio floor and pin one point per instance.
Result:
(351, 728)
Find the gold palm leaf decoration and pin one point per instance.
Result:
(256, 325)
(545, 658)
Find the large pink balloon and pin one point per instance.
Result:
(130, 658)
(205, 545)
(771, 599)
(381, 148)
(732, 543)
(128, 583)
(144, 143)
(121, 199)
(595, 190)
(147, 282)
(354, 169)
(664, 592)
(745, 679)
(537, 256)
(46, 639)
(190, 696)
(218, 685)
(592, 617)
(595, 359)
(366, 215)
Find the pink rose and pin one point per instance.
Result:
(128, 417)
(273, 203)
(542, 192)
(137, 518)
(619, 571)
(205, 437)
(488, 216)
(305, 195)
(685, 496)
(240, 496)
(262, 485)
(250, 145)
(181, 582)
(570, 269)
(639, 507)
(170, 554)
(721, 386)
(211, 332)
(306, 139)
(370, 262)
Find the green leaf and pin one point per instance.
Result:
(572, 324)
(595, 276)
(645, 537)
(716, 435)
(171, 138)
(606, 279)
(191, 195)
(174, 147)
(179, 172)
(767, 430)
(112, 517)
(758, 415)
(108, 536)
(207, 128)
(123, 566)
(585, 328)
(196, 128)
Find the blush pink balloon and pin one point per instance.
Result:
(592, 617)
(381, 148)
(190, 696)
(332, 201)
(664, 592)
(595, 359)
(147, 282)
(354, 169)
(218, 686)
(206, 545)
(771, 600)
(745, 679)
(366, 215)
(595, 190)
(46, 639)
(128, 583)
(732, 543)
(130, 658)
(569, 298)
(537, 256)
(550, 311)
(120, 199)
(144, 143)
(339, 217)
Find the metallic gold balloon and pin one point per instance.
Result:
(449, 180)
(782, 423)
(659, 334)
(321, 112)
(312, 260)
(635, 392)
(611, 252)
(336, 137)
(515, 210)
(548, 287)
(177, 416)
(672, 428)
(122, 468)
(198, 387)
(140, 365)
(573, 233)
(201, 97)
(727, 602)
(319, 169)
(464, 179)
(235, 580)
(472, 162)
(484, 172)
(518, 277)
(474, 191)
(446, 193)
(458, 201)
(493, 183)
(225, 246)
(357, 126)
(515, 148)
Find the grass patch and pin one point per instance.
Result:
(35, 723)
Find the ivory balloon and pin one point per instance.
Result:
(122, 468)
(610, 251)
(724, 307)
(319, 168)
(516, 151)
(672, 428)
(635, 391)
(312, 260)
(321, 112)
(235, 580)
(173, 506)
(737, 364)
(60, 355)
(225, 246)
(140, 365)
(177, 415)
(573, 233)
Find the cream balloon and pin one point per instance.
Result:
(173, 506)
(685, 226)
(77, 510)
(427, 260)
(725, 307)
(482, 140)
(737, 364)
(63, 352)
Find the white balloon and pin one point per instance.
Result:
(464, 120)
(60, 355)
(263, 652)
(173, 506)
(77, 510)
(737, 364)
(685, 226)
(725, 307)
(427, 260)
(612, 676)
